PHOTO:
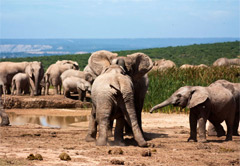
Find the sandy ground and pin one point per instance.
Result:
(168, 134)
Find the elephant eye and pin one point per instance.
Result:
(179, 95)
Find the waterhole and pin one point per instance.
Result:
(46, 120)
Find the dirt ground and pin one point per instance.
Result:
(167, 134)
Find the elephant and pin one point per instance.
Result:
(76, 73)
(235, 89)
(113, 98)
(163, 64)
(214, 103)
(42, 88)
(74, 63)
(53, 73)
(187, 66)
(227, 62)
(136, 65)
(34, 70)
(20, 82)
(87, 69)
(76, 84)
(3, 115)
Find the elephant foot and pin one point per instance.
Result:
(89, 138)
(143, 144)
(228, 139)
(203, 140)
(101, 142)
(235, 133)
(192, 139)
(119, 143)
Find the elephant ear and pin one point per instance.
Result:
(99, 60)
(140, 65)
(197, 97)
(81, 86)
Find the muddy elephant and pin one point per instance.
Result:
(76, 73)
(53, 73)
(3, 115)
(214, 103)
(227, 62)
(76, 84)
(235, 90)
(163, 64)
(136, 65)
(20, 82)
(34, 70)
(113, 98)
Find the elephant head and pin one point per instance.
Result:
(136, 65)
(35, 72)
(63, 62)
(84, 85)
(187, 96)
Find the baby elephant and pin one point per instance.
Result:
(214, 103)
(75, 84)
(20, 82)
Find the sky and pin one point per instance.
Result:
(119, 18)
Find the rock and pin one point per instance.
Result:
(117, 162)
(38, 157)
(115, 151)
(31, 157)
(64, 156)
(146, 153)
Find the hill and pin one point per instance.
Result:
(192, 54)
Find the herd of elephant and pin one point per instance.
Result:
(118, 86)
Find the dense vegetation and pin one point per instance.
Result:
(163, 84)
(193, 54)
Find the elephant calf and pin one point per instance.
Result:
(20, 82)
(214, 103)
(75, 84)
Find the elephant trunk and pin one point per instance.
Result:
(161, 105)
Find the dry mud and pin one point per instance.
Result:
(167, 133)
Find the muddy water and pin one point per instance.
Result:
(62, 119)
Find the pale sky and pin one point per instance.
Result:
(119, 18)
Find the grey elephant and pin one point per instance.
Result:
(76, 84)
(214, 103)
(53, 73)
(136, 65)
(227, 62)
(34, 70)
(76, 73)
(3, 115)
(187, 66)
(20, 82)
(235, 90)
(163, 64)
(113, 98)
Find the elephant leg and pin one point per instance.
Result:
(193, 126)
(13, 88)
(202, 129)
(118, 134)
(229, 124)
(8, 90)
(5, 119)
(92, 129)
(236, 124)
(215, 129)
(103, 128)
(56, 89)
(18, 87)
(110, 127)
(47, 88)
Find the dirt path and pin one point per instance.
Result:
(167, 132)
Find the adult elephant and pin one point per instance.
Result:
(214, 103)
(34, 70)
(76, 73)
(113, 98)
(53, 73)
(235, 90)
(136, 66)
(227, 62)
(187, 66)
(3, 115)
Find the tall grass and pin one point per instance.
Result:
(163, 83)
